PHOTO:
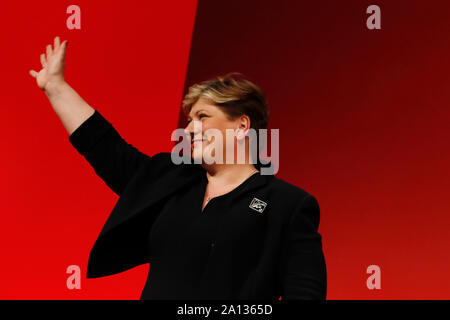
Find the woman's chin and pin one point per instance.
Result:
(202, 159)
(197, 157)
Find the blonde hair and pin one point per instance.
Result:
(234, 95)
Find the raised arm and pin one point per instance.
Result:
(112, 158)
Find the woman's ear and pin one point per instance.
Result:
(244, 124)
(243, 128)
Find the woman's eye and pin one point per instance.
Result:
(199, 116)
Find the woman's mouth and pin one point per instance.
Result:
(196, 142)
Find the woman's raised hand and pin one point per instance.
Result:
(52, 65)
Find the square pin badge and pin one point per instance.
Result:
(258, 205)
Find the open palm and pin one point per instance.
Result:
(53, 64)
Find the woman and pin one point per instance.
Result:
(213, 230)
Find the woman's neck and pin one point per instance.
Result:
(229, 174)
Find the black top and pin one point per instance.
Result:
(184, 241)
(259, 241)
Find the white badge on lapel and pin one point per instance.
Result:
(258, 205)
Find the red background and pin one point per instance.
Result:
(362, 116)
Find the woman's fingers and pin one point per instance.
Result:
(59, 48)
(49, 51)
(63, 48)
(56, 43)
(43, 60)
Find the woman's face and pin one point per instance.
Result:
(211, 117)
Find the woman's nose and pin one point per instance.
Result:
(193, 128)
(187, 132)
(188, 128)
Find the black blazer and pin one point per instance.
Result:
(292, 264)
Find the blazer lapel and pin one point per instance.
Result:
(148, 194)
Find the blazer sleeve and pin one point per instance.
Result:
(112, 158)
(305, 274)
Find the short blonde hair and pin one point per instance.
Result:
(234, 95)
